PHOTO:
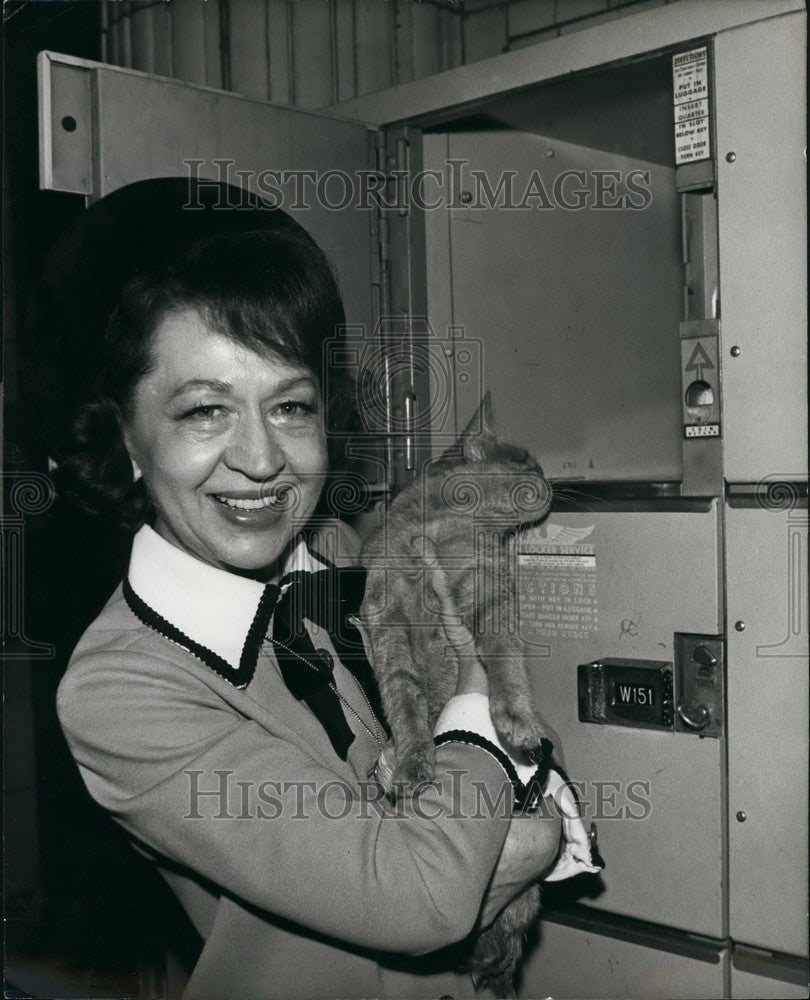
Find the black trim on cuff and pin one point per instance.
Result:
(527, 795)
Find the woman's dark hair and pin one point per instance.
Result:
(272, 291)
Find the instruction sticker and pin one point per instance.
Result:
(690, 98)
(557, 584)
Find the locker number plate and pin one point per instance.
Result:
(622, 692)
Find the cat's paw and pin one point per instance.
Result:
(541, 753)
(414, 769)
(519, 730)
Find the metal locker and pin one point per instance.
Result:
(579, 959)
(760, 976)
(766, 569)
(729, 238)
(761, 168)
(618, 584)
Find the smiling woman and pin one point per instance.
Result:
(234, 456)
(211, 382)
(221, 707)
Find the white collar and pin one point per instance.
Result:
(202, 608)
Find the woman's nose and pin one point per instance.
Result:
(254, 451)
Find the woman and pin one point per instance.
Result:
(237, 756)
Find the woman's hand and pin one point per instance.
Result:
(530, 849)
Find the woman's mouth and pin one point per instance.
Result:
(252, 503)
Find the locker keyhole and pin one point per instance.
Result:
(699, 393)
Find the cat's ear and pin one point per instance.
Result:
(479, 433)
(483, 420)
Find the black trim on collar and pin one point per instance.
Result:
(241, 676)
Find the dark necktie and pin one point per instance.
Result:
(327, 598)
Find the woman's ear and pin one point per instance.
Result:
(125, 437)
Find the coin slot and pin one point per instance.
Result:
(699, 393)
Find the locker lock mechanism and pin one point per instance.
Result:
(695, 716)
(685, 696)
(699, 683)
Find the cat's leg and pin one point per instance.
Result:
(408, 760)
(498, 948)
(510, 703)
(399, 671)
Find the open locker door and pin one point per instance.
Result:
(102, 128)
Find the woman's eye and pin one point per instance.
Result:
(204, 412)
(293, 409)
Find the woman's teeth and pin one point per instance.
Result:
(257, 504)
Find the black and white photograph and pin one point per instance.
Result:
(404, 510)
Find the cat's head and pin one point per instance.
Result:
(509, 481)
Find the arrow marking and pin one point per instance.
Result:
(699, 360)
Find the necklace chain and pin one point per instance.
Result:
(373, 733)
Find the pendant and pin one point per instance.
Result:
(382, 771)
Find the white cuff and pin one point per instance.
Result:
(471, 712)
(575, 857)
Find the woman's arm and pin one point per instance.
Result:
(272, 825)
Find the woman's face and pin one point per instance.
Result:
(231, 445)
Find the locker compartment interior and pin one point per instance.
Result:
(576, 292)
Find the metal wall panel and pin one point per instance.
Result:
(760, 74)
(654, 573)
(384, 42)
(570, 963)
(248, 49)
(768, 725)
(535, 15)
(345, 68)
(188, 39)
(485, 34)
(759, 977)
(623, 37)
(162, 39)
(427, 43)
(142, 39)
(279, 53)
(374, 45)
(312, 54)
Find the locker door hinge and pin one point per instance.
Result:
(402, 174)
(401, 334)
(378, 380)
(383, 228)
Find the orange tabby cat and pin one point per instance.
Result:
(445, 554)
